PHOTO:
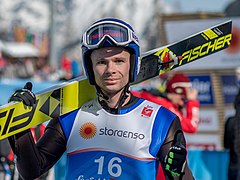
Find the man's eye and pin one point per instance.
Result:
(119, 61)
(101, 62)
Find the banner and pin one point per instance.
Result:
(203, 84)
(229, 88)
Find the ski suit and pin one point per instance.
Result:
(128, 144)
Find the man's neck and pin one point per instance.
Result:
(114, 99)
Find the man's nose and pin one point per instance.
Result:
(110, 67)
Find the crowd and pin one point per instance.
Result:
(39, 69)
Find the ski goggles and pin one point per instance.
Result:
(118, 33)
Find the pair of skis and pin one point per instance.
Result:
(66, 97)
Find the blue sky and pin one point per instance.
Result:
(201, 5)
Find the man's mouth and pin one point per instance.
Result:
(110, 81)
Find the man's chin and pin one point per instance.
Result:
(111, 90)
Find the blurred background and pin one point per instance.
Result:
(40, 41)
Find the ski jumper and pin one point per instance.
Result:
(128, 144)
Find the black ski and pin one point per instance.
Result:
(189, 49)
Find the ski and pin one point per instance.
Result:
(189, 49)
(68, 96)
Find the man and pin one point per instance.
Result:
(234, 144)
(179, 94)
(116, 135)
(6, 160)
(229, 143)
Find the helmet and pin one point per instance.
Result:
(177, 84)
(106, 33)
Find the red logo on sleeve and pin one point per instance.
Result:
(147, 111)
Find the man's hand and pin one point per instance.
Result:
(191, 93)
(175, 160)
(25, 95)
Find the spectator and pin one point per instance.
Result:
(237, 132)
(66, 67)
(2, 64)
(232, 9)
(76, 71)
(229, 139)
(6, 160)
(179, 94)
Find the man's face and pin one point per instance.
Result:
(111, 67)
(177, 99)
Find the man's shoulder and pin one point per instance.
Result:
(91, 105)
(230, 121)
